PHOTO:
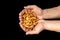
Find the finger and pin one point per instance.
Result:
(22, 27)
(31, 32)
(20, 18)
(21, 14)
(30, 6)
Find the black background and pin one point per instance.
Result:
(16, 33)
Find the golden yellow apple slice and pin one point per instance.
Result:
(30, 19)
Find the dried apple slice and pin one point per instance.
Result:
(30, 19)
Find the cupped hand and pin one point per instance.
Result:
(35, 9)
(39, 27)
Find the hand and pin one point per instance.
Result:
(35, 9)
(39, 27)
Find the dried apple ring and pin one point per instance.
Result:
(30, 19)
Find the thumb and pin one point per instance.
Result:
(32, 32)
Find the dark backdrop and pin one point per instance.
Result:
(16, 33)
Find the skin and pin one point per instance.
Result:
(39, 25)
(53, 25)
(43, 24)
(51, 13)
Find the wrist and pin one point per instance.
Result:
(51, 13)
(45, 25)
(48, 25)
(52, 25)
(45, 16)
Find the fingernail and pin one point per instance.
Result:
(24, 7)
(26, 33)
